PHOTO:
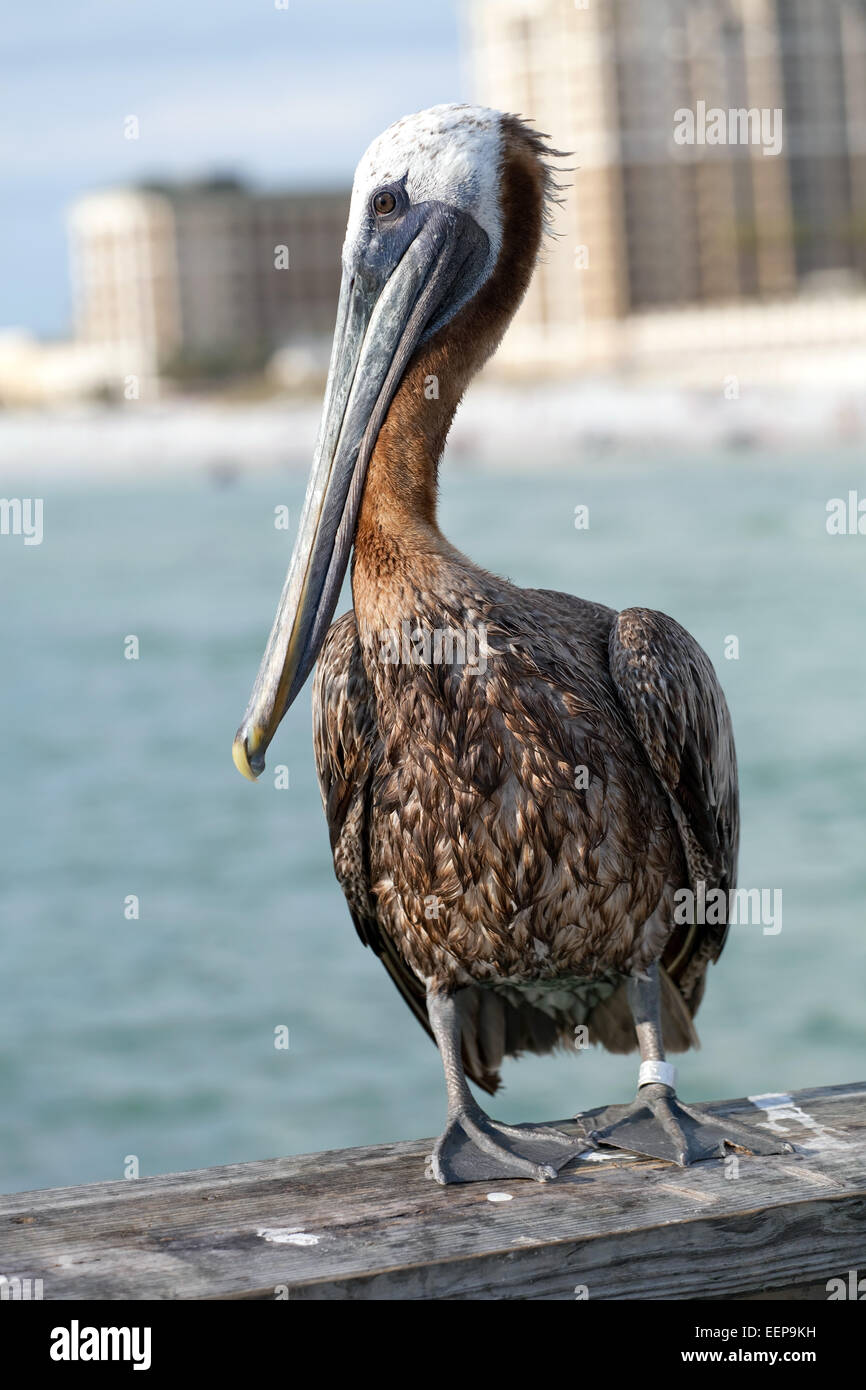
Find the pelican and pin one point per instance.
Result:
(517, 782)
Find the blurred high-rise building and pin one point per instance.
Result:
(650, 219)
(207, 276)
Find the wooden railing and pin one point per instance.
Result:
(367, 1224)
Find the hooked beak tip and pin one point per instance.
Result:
(248, 760)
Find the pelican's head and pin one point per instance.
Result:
(444, 226)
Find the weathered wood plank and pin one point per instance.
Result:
(375, 1228)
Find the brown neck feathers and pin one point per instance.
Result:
(399, 502)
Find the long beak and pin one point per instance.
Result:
(381, 319)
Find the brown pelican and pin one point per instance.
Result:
(516, 782)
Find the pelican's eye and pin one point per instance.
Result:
(384, 202)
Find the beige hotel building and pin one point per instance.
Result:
(204, 274)
(648, 224)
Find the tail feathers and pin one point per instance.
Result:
(495, 1027)
(612, 1026)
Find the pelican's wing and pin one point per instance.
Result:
(347, 751)
(345, 746)
(676, 704)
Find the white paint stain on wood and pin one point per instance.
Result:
(782, 1112)
(279, 1235)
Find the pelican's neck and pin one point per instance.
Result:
(399, 502)
(398, 509)
(398, 545)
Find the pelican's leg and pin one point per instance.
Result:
(656, 1123)
(474, 1148)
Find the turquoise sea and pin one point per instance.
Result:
(154, 1037)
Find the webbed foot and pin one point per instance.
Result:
(474, 1148)
(658, 1125)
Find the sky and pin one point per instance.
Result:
(287, 96)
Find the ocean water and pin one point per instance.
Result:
(154, 1037)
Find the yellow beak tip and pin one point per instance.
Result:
(242, 760)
